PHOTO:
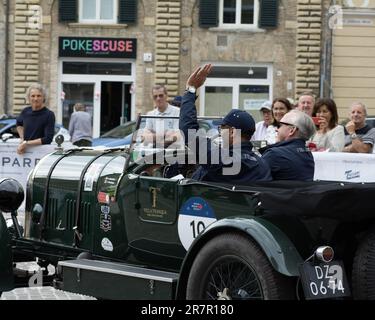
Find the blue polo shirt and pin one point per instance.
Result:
(37, 124)
(290, 160)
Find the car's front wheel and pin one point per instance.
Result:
(231, 266)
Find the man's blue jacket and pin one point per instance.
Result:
(290, 160)
(252, 167)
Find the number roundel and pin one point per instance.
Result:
(195, 216)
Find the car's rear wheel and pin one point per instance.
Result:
(363, 276)
(231, 266)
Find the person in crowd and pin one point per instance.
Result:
(359, 137)
(157, 128)
(236, 129)
(306, 103)
(261, 126)
(289, 159)
(80, 128)
(36, 123)
(329, 135)
(280, 107)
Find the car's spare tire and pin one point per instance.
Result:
(231, 266)
(363, 277)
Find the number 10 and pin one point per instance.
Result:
(197, 229)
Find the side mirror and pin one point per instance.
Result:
(6, 136)
(11, 194)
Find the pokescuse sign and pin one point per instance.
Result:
(195, 216)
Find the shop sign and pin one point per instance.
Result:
(97, 47)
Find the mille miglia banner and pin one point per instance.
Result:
(88, 47)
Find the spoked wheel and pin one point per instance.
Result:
(232, 278)
(231, 266)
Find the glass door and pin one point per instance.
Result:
(74, 93)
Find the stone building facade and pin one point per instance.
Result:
(276, 53)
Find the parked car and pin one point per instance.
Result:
(116, 228)
(121, 135)
(8, 130)
(118, 136)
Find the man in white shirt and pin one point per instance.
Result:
(167, 128)
(261, 126)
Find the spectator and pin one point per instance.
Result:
(330, 135)
(261, 126)
(36, 123)
(359, 137)
(80, 128)
(280, 107)
(165, 129)
(237, 128)
(289, 159)
(306, 103)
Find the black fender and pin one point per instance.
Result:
(278, 248)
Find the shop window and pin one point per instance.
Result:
(242, 87)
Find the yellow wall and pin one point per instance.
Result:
(353, 62)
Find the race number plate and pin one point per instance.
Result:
(324, 280)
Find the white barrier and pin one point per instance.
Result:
(342, 166)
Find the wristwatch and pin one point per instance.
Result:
(191, 89)
(353, 136)
(24, 142)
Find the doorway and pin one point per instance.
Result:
(115, 105)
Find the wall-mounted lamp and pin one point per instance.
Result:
(250, 72)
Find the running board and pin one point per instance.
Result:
(112, 280)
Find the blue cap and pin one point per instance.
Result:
(240, 119)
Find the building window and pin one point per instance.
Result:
(242, 87)
(97, 11)
(239, 13)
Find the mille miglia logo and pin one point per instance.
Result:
(350, 174)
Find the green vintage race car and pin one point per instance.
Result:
(116, 225)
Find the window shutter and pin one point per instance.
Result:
(208, 13)
(127, 11)
(268, 14)
(68, 10)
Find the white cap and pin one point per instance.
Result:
(266, 105)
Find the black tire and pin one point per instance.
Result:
(363, 276)
(244, 272)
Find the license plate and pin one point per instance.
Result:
(324, 280)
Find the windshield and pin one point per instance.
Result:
(121, 131)
(157, 133)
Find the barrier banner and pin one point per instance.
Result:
(343, 166)
(18, 166)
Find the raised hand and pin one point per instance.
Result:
(199, 76)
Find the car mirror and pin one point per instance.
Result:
(11, 194)
(6, 136)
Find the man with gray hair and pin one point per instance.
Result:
(306, 103)
(359, 137)
(289, 158)
(36, 123)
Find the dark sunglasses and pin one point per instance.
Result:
(155, 96)
(288, 124)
